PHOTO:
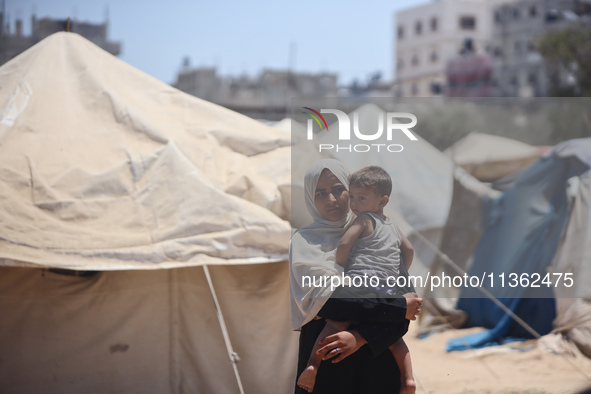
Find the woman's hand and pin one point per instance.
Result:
(342, 344)
(413, 305)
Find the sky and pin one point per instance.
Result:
(351, 38)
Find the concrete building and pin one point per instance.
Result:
(12, 43)
(429, 35)
(518, 69)
(266, 96)
(469, 74)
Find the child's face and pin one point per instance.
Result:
(364, 199)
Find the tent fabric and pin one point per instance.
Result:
(490, 157)
(463, 228)
(573, 317)
(523, 229)
(102, 167)
(145, 331)
(459, 239)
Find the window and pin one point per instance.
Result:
(517, 47)
(467, 22)
(414, 90)
(433, 57)
(400, 32)
(418, 28)
(533, 11)
(400, 64)
(434, 24)
(497, 17)
(531, 47)
(552, 15)
(516, 13)
(532, 78)
(436, 87)
(415, 60)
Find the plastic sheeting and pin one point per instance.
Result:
(523, 229)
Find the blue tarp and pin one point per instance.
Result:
(522, 229)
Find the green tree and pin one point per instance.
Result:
(568, 52)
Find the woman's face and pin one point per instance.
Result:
(331, 198)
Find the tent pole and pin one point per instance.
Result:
(231, 353)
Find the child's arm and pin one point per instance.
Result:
(406, 250)
(358, 229)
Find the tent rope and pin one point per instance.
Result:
(234, 358)
(421, 383)
(495, 300)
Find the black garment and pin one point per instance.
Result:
(360, 373)
(381, 321)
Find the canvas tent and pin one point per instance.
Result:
(524, 229)
(103, 168)
(489, 157)
(459, 238)
(573, 304)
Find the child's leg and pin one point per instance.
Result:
(308, 376)
(402, 356)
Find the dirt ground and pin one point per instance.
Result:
(520, 367)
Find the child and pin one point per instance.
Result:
(373, 246)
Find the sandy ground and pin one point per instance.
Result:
(513, 368)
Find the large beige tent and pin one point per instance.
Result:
(491, 157)
(103, 168)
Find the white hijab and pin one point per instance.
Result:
(312, 249)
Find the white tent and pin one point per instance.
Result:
(103, 168)
(489, 157)
(573, 304)
(284, 124)
(459, 238)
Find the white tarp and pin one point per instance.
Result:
(104, 167)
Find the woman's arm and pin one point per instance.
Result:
(347, 343)
(377, 324)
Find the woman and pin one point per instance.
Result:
(349, 366)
